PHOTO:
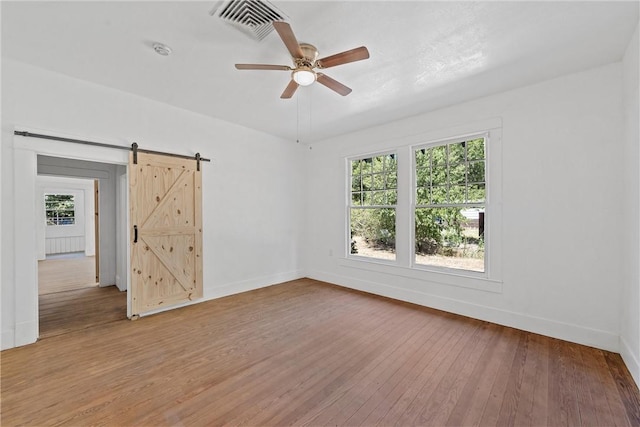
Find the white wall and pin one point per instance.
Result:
(630, 322)
(83, 228)
(252, 191)
(561, 200)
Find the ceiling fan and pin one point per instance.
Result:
(305, 59)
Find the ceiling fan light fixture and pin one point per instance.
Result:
(305, 60)
(304, 76)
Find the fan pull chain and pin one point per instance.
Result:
(298, 120)
(310, 97)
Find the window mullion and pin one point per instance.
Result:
(404, 214)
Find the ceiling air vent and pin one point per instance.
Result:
(252, 17)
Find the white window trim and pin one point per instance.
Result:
(404, 265)
(435, 268)
(348, 204)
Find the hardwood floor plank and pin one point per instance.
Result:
(493, 404)
(385, 375)
(624, 382)
(592, 359)
(350, 396)
(310, 353)
(443, 327)
(248, 378)
(469, 394)
(511, 399)
(340, 387)
(540, 399)
(445, 396)
(356, 363)
(586, 407)
(563, 401)
(471, 414)
(265, 374)
(405, 393)
(386, 397)
(446, 359)
(64, 312)
(355, 351)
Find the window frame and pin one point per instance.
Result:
(485, 135)
(491, 281)
(47, 210)
(349, 206)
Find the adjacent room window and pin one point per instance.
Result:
(60, 209)
(450, 184)
(372, 210)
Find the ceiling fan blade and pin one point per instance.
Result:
(332, 84)
(262, 67)
(357, 54)
(289, 90)
(289, 39)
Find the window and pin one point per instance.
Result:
(429, 207)
(450, 206)
(372, 206)
(60, 209)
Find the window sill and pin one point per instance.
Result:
(443, 278)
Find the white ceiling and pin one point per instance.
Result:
(424, 55)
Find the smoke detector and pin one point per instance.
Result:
(162, 49)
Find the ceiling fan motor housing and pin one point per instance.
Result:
(310, 54)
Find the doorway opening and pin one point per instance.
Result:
(66, 234)
(81, 279)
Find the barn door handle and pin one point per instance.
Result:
(135, 234)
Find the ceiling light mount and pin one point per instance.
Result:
(162, 49)
(304, 76)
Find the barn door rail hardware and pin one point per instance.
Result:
(134, 146)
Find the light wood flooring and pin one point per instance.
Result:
(66, 274)
(309, 353)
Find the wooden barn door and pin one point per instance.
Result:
(166, 231)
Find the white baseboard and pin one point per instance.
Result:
(7, 340)
(568, 332)
(631, 360)
(251, 284)
(26, 333)
(120, 284)
(236, 288)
